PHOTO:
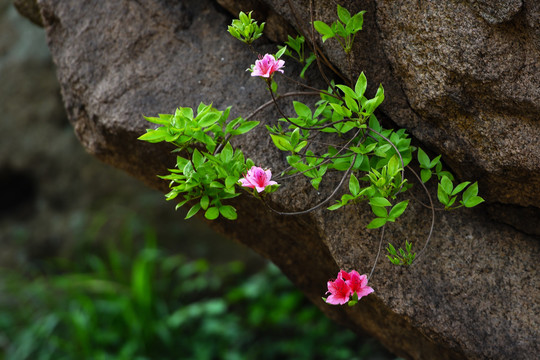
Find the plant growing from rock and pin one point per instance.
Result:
(370, 158)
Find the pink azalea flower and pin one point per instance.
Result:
(357, 282)
(257, 178)
(339, 292)
(266, 66)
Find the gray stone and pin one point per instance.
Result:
(30, 10)
(475, 291)
(495, 12)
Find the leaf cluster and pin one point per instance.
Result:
(211, 168)
(344, 29)
(297, 44)
(378, 153)
(446, 192)
(245, 28)
(401, 257)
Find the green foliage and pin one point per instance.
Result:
(344, 29)
(372, 149)
(245, 28)
(297, 44)
(147, 304)
(447, 194)
(401, 257)
(211, 168)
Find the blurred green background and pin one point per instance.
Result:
(94, 265)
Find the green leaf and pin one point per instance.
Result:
(393, 166)
(216, 184)
(425, 175)
(232, 124)
(188, 169)
(343, 14)
(187, 112)
(295, 137)
(212, 213)
(423, 159)
(447, 185)
(374, 123)
(205, 201)
(181, 162)
(280, 52)
(302, 110)
(281, 143)
(227, 153)
(197, 159)
(300, 146)
(348, 91)
(434, 162)
(473, 201)
(274, 86)
(230, 181)
(244, 18)
(315, 182)
(379, 95)
(351, 104)
(341, 110)
(228, 212)
(376, 223)
(354, 185)
(309, 61)
(369, 106)
(460, 187)
(470, 192)
(379, 201)
(180, 204)
(339, 29)
(442, 195)
(234, 32)
(381, 150)
(379, 211)
(335, 206)
(324, 30)
(342, 164)
(244, 128)
(209, 119)
(398, 209)
(194, 210)
(357, 21)
(360, 87)
(161, 120)
(155, 135)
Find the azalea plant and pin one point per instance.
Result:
(371, 159)
(348, 287)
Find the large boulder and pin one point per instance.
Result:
(475, 292)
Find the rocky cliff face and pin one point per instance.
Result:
(461, 76)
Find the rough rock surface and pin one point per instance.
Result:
(475, 293)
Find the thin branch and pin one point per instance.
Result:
(270, 102)
(310, 87)
(300, 126)
(322, 202)
(260, 108)
(327, 159)
(432, 213)
(378, 253)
